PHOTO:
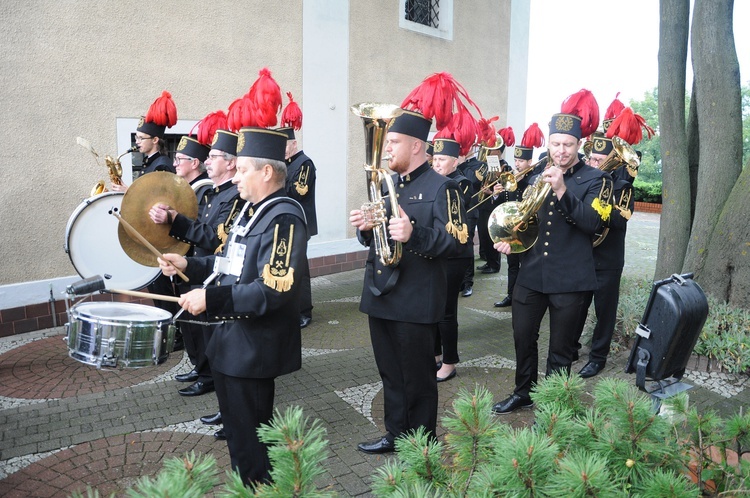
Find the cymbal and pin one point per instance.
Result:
(158, 187)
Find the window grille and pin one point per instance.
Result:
(425, 12)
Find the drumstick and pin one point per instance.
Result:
(159, 297)
(133, 232)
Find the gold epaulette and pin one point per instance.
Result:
(455, 226)
(277, 274)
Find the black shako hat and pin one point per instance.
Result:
(601, 145)
(445, 147)
(193, 148)
(261, 142)
(413, 124)
(225, 141)
(288, 131)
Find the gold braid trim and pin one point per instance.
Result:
(221, 230)
(455, 227)
(277, 274)
(301, 184)
(604, 210)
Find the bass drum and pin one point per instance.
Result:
(93, 246)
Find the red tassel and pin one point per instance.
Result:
(509, 136)
(241, 113)
(583, 104)
(292, 114)
(265, 95)
(532, 137)
(487, 130)
(614, 109)
(207, 127)
(629, 126)
(162, 112)
(464, 128)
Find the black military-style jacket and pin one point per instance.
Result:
(157, 162)
(300, 186)
(562, 258)
(260, 335)
(465, 187)
(610, 253)
(219, 207)
(414, 291)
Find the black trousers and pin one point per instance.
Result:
(244, 405)
(446, 341)
(404, 354)
(468, 279)
(606, 298)
(514, 264)
(485, 242)
(529, 307)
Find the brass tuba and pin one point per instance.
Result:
(516, 222)
(376, 119)
(622, 155)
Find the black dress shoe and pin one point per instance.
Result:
(191, 376)
(512, 403)
(214, 419)
(468, 291)
(304, 321)
(438, 365)
(590, 369)
(447, 377)
(483, 267)
(220, 435)
(196, 389)
(382, 445)
(490, 270)
(505, 302)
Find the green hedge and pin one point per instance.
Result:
(647, 192)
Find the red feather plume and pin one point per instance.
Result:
(265, 94)
(583, 104)
(162, 112)
(614, 109)
(241, 113)
(207, 127)
(486, 130)
(629, 126)
(439, 97)
(509, 136)
(292, 114)
(532, 137)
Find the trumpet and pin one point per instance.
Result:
(114, 167)
(509, 180)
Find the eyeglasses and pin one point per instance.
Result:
(141, 139)
(216, 156)
(178, 159)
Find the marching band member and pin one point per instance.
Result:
(558, 272)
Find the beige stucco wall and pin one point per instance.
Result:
(387, 62)
(71, 68)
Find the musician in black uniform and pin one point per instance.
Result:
(609, 257)
(474, 171)
(445, 161)
(558, 271)
(484, 209)
(256, 296)
(300, 186)
(404, 303)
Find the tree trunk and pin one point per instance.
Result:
(675, 215)
(726, 273)
(694, 143)
(718, 102)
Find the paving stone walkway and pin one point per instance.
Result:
(66, 425)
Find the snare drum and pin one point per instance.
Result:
(126, 334)
(94, 248)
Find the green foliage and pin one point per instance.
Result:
(191, 477)
(647, 191)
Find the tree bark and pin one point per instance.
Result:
(694, 144)
(726, 273)
(675, 217)
(719, 105)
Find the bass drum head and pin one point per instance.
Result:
(94, 248)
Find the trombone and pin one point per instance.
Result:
(509, 181)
